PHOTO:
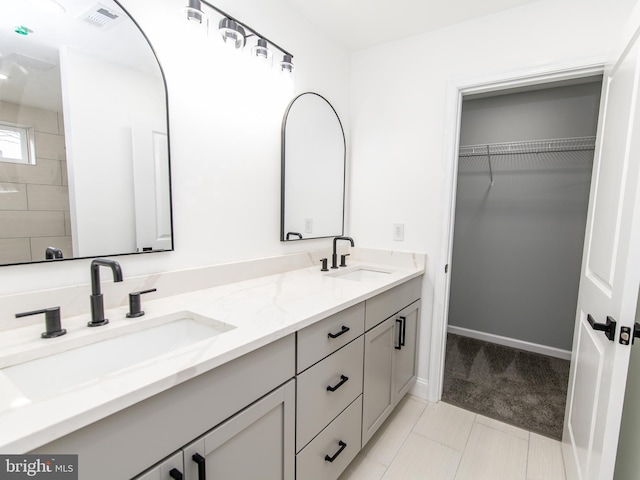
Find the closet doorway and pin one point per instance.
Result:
(524, 170)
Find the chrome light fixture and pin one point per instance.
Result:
(261, 49)
(194, 12)
(286, 65)
(235, 33)
(232, 33)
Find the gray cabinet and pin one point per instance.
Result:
(329, 454)
(329, 394)
(326, 389)
(378, 386)
(390, 355)
(255, 444)
(406, 361)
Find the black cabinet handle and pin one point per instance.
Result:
(399, 344)
(175, 474)
(343, 380)
(343, 445)
(341, 332)
(202, 467)
(609, 328)
(404, 330)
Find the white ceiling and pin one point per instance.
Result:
(357, 24)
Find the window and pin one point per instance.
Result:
(17, 144)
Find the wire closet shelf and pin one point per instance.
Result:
(574, 144)
(534, 146)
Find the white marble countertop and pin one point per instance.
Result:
(262, 310)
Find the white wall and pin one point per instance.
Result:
(400, 122)
(225, 140)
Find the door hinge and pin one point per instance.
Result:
(446, 268)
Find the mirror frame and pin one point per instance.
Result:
(283, 170)
(166, 101)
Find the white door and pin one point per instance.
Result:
(151, 185)
(610, 275)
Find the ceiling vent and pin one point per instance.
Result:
(102, 17)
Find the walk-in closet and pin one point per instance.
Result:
(524, 171)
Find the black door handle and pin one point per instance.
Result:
(399, 344)
(343, 445)
(175, 474)
(343, 380)
(404, 330)
(341, 332)
(609, 328)
(202, 467)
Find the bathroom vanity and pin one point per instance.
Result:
(306, 368)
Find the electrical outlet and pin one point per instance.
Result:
(308, 225)
(398, 232)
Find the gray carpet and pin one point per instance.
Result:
(521, 388)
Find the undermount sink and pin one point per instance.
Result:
(361, 274)
(82, 366)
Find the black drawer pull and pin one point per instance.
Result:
(175, 474)
(343, 380)
(202, 468)
(399, 344)
(343, 445)
(341, 332)
(404, 330)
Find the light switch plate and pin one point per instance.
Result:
(398, 232)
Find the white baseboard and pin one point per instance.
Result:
(420, 389)
(511, 342)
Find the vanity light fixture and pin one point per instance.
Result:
(261, 50)
(194, 12)
(232, 33)
(286, 65)
(235, 33)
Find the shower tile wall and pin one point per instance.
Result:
(34, 199)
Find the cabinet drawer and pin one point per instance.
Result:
(340, 440)
(317, 404)
(382, 306)
(326, 336)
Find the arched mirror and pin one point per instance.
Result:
(313, 170)
(84, 154)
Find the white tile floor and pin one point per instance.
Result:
(424, 441)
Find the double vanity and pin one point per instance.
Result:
(286, 375)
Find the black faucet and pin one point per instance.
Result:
(97, 303)
(52, 253)
(334, 256)
(52, 321)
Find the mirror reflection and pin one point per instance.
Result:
(313, 170)
(84, 157)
